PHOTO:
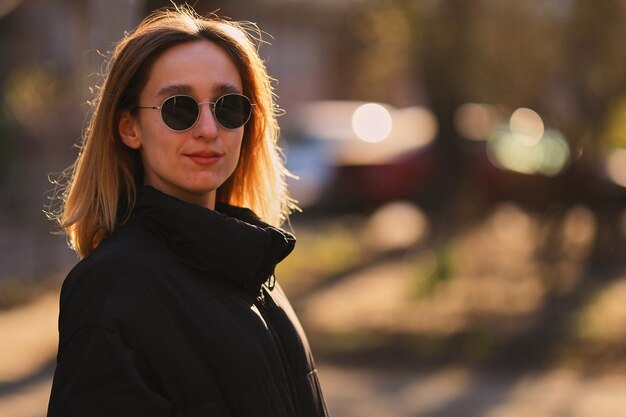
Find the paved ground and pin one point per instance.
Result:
(362, 392)
(453, 392)
(28, 343)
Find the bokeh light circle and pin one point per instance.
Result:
(528, 124)
(372, 122)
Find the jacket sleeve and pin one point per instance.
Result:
(98, 374)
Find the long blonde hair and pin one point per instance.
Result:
(102, 183)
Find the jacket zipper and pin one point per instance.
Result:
(281, 351)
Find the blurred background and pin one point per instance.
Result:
(462, 174)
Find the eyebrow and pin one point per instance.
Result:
(185, 89)
(175, 89)
(226, 88)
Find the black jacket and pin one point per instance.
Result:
(173, 315)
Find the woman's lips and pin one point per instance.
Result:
(205, 158)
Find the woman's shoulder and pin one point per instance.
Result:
(114, 255)
(116, 267)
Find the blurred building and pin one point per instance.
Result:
(49, 57)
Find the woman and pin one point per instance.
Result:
(173, 310)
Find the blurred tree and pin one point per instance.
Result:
(385, 43)
(7, 147)
(595, 66)
(562, 58)
(450, 52)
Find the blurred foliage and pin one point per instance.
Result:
(433, 269)
(384, 38)
(323, 250)
(561, 58)
(614, 135)
(15, 291)
(33, 93)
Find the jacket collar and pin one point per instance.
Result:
(230, 243)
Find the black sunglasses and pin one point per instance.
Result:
(181, 112)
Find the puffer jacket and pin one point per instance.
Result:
(176, 314)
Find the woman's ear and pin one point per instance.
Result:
(129, 131)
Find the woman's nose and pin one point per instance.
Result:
(206, 127)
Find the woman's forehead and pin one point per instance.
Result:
(192, 68)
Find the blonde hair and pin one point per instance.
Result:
(103, 181)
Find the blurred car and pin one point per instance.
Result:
(350, 154)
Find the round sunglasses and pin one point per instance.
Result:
(181, 112)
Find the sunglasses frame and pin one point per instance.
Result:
(198, 103)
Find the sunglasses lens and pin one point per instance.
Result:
(180, 112)
(232, 110)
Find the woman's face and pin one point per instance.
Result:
(192, 164)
